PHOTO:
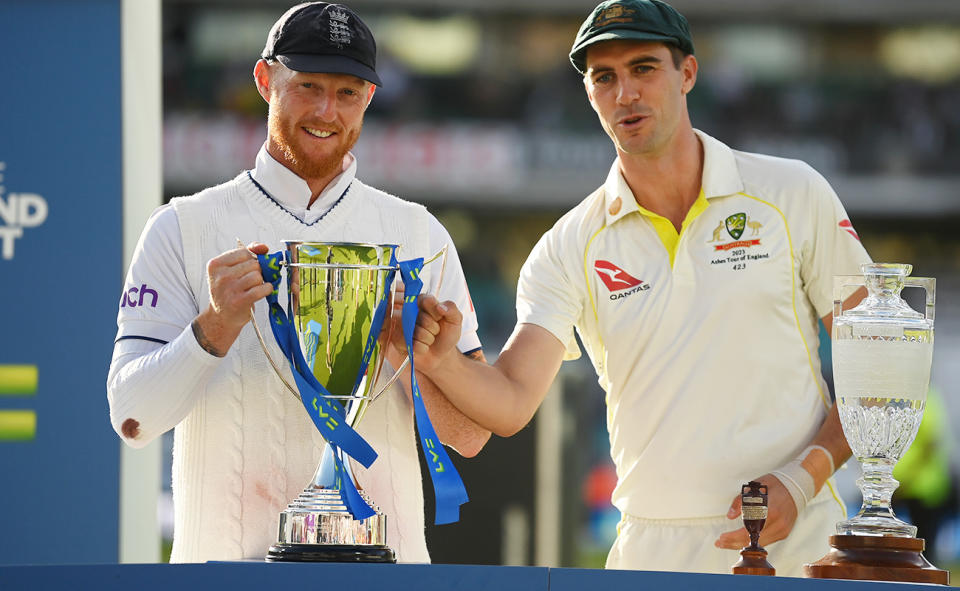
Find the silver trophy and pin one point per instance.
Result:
(333, 292)
(882, 354)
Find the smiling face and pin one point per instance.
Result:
(639, 94)
(314, 119)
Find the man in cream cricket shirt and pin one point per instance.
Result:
(695, 277)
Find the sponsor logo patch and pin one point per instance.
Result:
(619, 282)
(139, 296)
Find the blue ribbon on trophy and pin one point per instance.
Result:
(448, 488)
(329, 418)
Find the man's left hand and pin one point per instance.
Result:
(781, 515)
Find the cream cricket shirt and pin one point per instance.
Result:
(705, 342)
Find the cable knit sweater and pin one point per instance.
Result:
(248, 447)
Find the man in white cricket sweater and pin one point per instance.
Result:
(185, 354)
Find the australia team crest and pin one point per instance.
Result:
(735, 225)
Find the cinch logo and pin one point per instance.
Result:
(129, 298)
(18, 211)
(846, 225)
(617, 280)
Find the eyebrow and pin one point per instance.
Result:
(645, 59)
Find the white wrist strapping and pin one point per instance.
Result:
(798, 482)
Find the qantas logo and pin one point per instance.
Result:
(846, 225)
(617, 280)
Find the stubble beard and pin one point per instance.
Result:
(298, 160)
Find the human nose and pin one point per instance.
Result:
(325, 107)
(628, 91)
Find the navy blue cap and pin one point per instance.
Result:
(319, 37)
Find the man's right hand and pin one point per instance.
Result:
(436, 334)
(235, 285)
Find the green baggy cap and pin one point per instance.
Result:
(638, 20)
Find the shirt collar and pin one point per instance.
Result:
(293, 193)
(720, 177)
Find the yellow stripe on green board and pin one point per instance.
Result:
(18, 425)
(18, 379)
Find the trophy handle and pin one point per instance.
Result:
(442, 255)
(929, 285)
(839, 283)
(263, 344)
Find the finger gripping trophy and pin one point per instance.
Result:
(882, 354)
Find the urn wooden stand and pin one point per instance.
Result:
(753, 562)
(876, 558)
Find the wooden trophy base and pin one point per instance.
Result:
(876, 558)
(753, 562)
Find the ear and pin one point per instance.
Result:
(689, 71)
(261, 76)
(588, 87)
(373, 88)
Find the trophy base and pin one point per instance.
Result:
(876, 558)
(754, 562)
(329, 553)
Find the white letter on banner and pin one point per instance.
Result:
(26, 202)
(7, 236)
(8, 211)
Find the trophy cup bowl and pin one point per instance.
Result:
(882, 355)
(333, 292)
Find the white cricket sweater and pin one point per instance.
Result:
(247, 447)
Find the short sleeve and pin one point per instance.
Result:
(546, 294)
(831, 245)
(157, 301)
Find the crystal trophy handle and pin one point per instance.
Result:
(929, 285)
(839, 283)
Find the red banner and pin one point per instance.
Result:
(737, 244)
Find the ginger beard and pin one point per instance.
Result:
(288, 137)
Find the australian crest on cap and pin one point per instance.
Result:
(616, 13)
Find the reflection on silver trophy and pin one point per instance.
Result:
(882, 354)
(335, 291)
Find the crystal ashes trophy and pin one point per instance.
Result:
(882, 355)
